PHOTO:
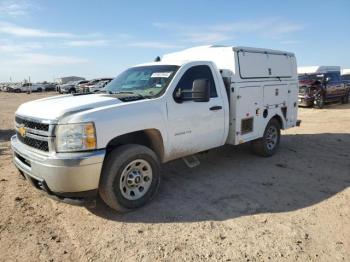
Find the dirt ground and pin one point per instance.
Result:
(233, 207)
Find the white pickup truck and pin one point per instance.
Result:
(75, 147)
(28, 87)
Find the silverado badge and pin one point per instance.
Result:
(22, 131)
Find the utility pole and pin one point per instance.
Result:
(29, 86)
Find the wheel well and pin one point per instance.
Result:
(279, 119)
(150, 138)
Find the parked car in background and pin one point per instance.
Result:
(65, 80)
(79, 86)
(99, 86)
(49, 86)
(26, 87)
(320, 85)
(67, 87)
(4, 87)
(94, 86)
(70, 87)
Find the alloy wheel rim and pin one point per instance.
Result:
(271, 137)
(136, 179)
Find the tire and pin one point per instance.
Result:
(72, 91)
(39, 90)
(319, 101)
(269, 143)
(345, 99)
(115, 179)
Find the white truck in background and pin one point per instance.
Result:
(27, 88)
(112, 143)
(345, 73)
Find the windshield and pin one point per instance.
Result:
(311, 77)
(147, 81)
(71, 82)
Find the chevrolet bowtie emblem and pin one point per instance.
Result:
(22, 131)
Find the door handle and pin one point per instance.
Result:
(214, 108)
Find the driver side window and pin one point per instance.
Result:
(197, 72)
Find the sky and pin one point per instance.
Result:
(45, 40)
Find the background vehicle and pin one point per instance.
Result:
(94, 85)
(319, 85)
(26, 87)
(64, 80)
(79, 85)
(70, 87)
(113, 143)
(49, 86)
(346, 75)
(99, 86)
(5, 87)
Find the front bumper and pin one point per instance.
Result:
(305, 100)
(66, 176)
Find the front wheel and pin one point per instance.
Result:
(269, 143)
(130, 177)
(319, 101)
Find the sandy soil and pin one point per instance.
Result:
(233, 207)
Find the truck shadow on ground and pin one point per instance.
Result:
(231, 182)
(5, 134)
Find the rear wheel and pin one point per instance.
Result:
(72, 91)
(345, 99)
(130, 177)
(269, 143)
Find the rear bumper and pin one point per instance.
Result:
(68, 177)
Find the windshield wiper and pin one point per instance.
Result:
(131, 93)
(105, 91)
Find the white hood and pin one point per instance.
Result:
(52, 108)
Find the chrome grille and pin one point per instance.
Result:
(32, 124)
(32, 142)
(33, 133)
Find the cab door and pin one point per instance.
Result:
(195, 126)
(335, 88)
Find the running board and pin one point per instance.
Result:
(191, 161)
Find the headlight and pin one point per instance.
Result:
(75, 137)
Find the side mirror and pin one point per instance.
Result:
(201, 90)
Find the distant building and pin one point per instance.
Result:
(345, 72)
(64, 80)
(317, 69)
